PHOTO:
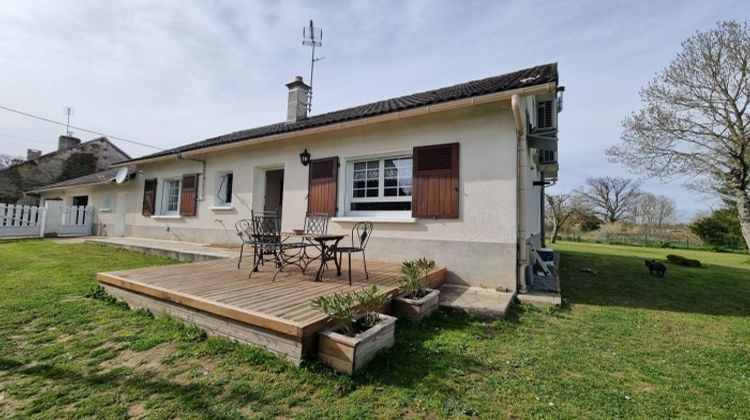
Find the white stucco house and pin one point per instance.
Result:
(455, 174)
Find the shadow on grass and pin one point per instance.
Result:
(423, 349)
(624, 281)
(194, 398)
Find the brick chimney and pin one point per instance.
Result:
(67, 142)
(32, 154)
(298, 94)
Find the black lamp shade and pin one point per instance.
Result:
(304, 158)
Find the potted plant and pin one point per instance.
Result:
(415, 301)
(358, 331)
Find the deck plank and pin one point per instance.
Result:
(283, 306)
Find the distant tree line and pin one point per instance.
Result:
(611, 200)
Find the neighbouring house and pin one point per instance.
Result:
(72, 159)
(455, 174)
(96, 190)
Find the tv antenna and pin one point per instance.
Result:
(68, 111)
(312, 37)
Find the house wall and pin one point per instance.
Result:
(104, 207)
(479, 248)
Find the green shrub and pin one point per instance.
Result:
(344, 307)
(410, 282)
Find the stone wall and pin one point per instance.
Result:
(86, 158)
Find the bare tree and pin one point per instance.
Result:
(654, 212)
(610, 198)
(7, 160)
(559, 208)
(694, 122)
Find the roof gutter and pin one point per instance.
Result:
(393, 116)
(65, 187)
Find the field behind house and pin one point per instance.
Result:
(627, 345)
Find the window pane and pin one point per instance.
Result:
(405, 192)
(373, 173)
(372, 183)
(372, 193)
(359, 184)
(391, 182)
(373, 164)
(391, 172)
(404, 182)
(359, 175)
(390, 163)
(359, 193)
(390, 192)
(359, 165)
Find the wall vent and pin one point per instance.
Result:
(544, 115)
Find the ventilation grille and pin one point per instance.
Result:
(435, 159)
(322, 169)
(544, 114)
(547, 156)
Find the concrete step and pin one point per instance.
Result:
(477, 301)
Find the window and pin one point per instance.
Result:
(105, 201)
(380, 186)
(224, 190)
(170, 202)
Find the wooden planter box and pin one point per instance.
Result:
(416, 309)
(350, 354)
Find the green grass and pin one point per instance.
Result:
(627, 345)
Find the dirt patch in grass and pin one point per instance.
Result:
(136, 410)
(8, 405)
(147, 360)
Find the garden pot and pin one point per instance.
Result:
(350, 354)
(416, 309)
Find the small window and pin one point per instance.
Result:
(170, 203)
(105, 201)
(380, 186)
(224, 189)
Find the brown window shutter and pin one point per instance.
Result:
(435, 181)
(323, 186)
(149, 197)
(188, 194)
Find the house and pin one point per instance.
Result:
(455, 174)
(72, 159)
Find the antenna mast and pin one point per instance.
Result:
(68, 111)
(313, 37)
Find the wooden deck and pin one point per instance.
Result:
(218, 288)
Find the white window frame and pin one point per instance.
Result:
(163, 197)
(105, 201)
(349, 188)
(218, 202)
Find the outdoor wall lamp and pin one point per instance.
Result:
(304, 158)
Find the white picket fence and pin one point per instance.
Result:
(29, 221)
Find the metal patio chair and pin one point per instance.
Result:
(360, 237)
(244, 228)
(267, 233)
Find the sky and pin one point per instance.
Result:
(168, 73)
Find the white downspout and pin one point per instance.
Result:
(523, 166)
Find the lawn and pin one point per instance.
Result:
(626, 345)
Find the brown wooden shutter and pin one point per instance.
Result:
(435, 181)
(188, 194)
(323, 186)
(149, 197)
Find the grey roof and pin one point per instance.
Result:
(79, 145)
(522, 78)
(103, 177)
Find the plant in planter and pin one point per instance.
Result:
(358, 331)
(416, 301)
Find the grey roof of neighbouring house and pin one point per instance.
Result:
(102, 177)
(522, 78)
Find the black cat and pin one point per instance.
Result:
(655, 266)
